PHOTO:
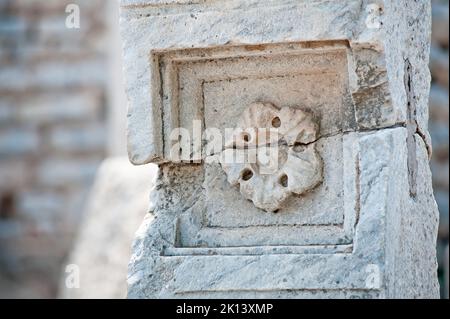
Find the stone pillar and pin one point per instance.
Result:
(293, 148)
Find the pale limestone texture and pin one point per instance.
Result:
(359, 68)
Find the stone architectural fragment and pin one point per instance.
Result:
(345, 82)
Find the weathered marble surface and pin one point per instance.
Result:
(368, 230)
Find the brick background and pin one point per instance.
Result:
(53, 114)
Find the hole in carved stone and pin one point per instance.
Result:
(276, 122)
(299, 148)
(246, 174)
(246, 137)
(284, 180)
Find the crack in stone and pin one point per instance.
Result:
(359, 130)
(428, 146)
(412, 128)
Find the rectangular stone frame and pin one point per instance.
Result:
(310, 244)
(168, 65)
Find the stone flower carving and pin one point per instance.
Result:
(271, 155)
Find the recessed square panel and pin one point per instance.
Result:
(215, 86)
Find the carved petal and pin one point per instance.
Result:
(264, 123)
(303, 169)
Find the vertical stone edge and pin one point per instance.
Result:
(412, 220)
(144, 132)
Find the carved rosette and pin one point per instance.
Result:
(272, 155)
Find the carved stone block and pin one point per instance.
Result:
(322, 108)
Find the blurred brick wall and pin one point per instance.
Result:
(439, 125)
(52, 134)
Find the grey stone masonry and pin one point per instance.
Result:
(322, 107)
